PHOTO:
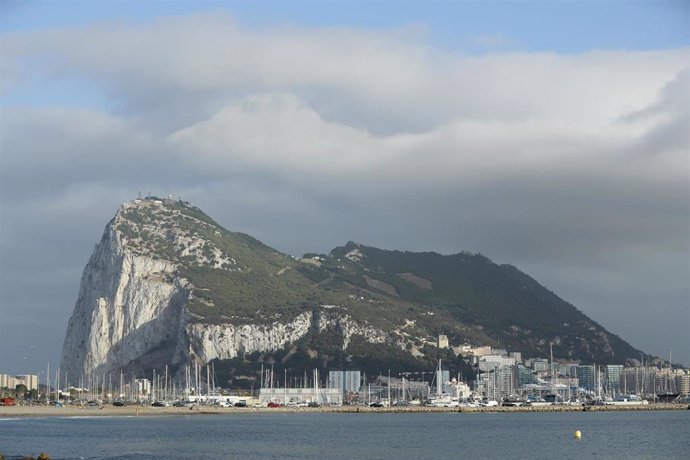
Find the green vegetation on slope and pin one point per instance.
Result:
(413, 296)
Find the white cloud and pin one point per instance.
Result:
(544, 160)
(278, 133)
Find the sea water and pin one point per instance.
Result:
(629, 435)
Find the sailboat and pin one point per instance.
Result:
(441, 399)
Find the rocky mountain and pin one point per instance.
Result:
(167, 285)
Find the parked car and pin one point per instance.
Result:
(274, 404)
(376, 404)
(240, 404)
(119, 404)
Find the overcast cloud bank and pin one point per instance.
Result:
(572, 167)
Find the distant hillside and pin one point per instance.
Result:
(475, 300)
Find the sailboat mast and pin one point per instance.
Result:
(389, 387)
(208, 382)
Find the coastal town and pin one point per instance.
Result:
(503, 379)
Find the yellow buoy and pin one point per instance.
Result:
(578, 435)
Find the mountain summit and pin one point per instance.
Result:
(167, 285)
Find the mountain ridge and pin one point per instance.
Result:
(168, 285)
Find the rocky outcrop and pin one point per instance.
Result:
(131, 312)
(128, 305)
(211, 341)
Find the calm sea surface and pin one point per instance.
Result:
(658, 434)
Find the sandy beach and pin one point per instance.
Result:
(134, 410)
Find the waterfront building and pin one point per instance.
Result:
(489, 362)
(441, 381)
(586, 375)
(524, 376)
(613, 379)
(11, 381)
(540, 364)
(567, 369)
(641, 380)
(30, 380)
(497, 383)
(671, 381)
(684, 383)
(7, 381)
(445, 381)
(635, 380)
(143, 388)
(294, 396)
(459, 389)
(346, 381)
(413, 389)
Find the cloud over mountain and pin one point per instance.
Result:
(574, 166)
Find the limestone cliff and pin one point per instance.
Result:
(167, 286)
(132, 310)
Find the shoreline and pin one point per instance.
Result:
(148, 411)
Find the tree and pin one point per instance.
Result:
(20, 391)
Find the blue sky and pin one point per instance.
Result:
(549, 135)
(559, 26)
(471, 27)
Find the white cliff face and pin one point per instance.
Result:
(349, 327)
(127, 306)
(131, 310)
(222, 341)
(211, 341)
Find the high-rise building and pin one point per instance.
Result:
(586, 374)
(486, 363)
(143, 387)
(30, 380)
(524, 376)
(613, 379)
(684, 383)
(11, 381)
(540, 365)
(497, 383)
(346, 381)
